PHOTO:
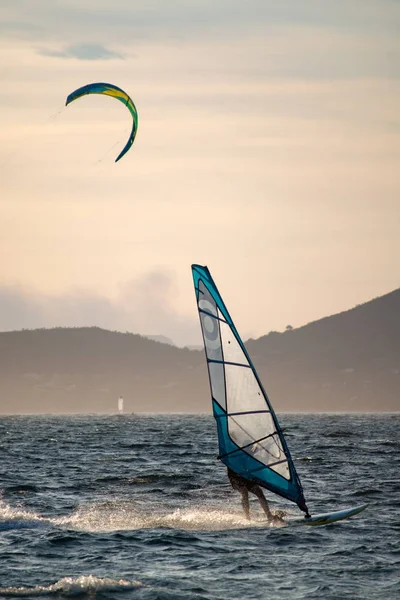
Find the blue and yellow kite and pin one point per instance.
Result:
(110, 90)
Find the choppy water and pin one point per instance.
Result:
(138, 507)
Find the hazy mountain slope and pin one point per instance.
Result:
(349, 361)
(86, 369)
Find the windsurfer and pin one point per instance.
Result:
(244, 486)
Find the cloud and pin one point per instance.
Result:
(125, 21)
(83, 52)
(145, 305)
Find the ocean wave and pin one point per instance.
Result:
(339, 434)
(385, 442)
(367, 492)
(72, 586)
(18, 518)
(20, 489)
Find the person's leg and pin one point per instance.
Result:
(263, 501)
(245, 503)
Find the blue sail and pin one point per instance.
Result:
(251, 442)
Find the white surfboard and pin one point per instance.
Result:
(327, 518)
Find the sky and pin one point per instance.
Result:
(267, 149)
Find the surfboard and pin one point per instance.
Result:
(326, 518)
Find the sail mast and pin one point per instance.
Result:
(251, 441)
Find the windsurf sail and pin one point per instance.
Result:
(120, 405)
(251, 442)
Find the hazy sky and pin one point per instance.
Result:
(268, 148)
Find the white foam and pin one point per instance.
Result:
(16, 518)
(125, 516)
(73, 586)
(102, 517)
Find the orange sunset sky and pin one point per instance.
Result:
(268, 149)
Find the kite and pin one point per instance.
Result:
(110, 90)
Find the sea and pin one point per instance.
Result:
(138, 507)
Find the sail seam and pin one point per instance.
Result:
(227, 362)
(205, 312)
(278, 462)
(248, 412)
(248, 445)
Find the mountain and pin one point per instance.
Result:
(66, 370)
(346, 362)
(163, 339)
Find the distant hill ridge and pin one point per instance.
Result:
(346, 362)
